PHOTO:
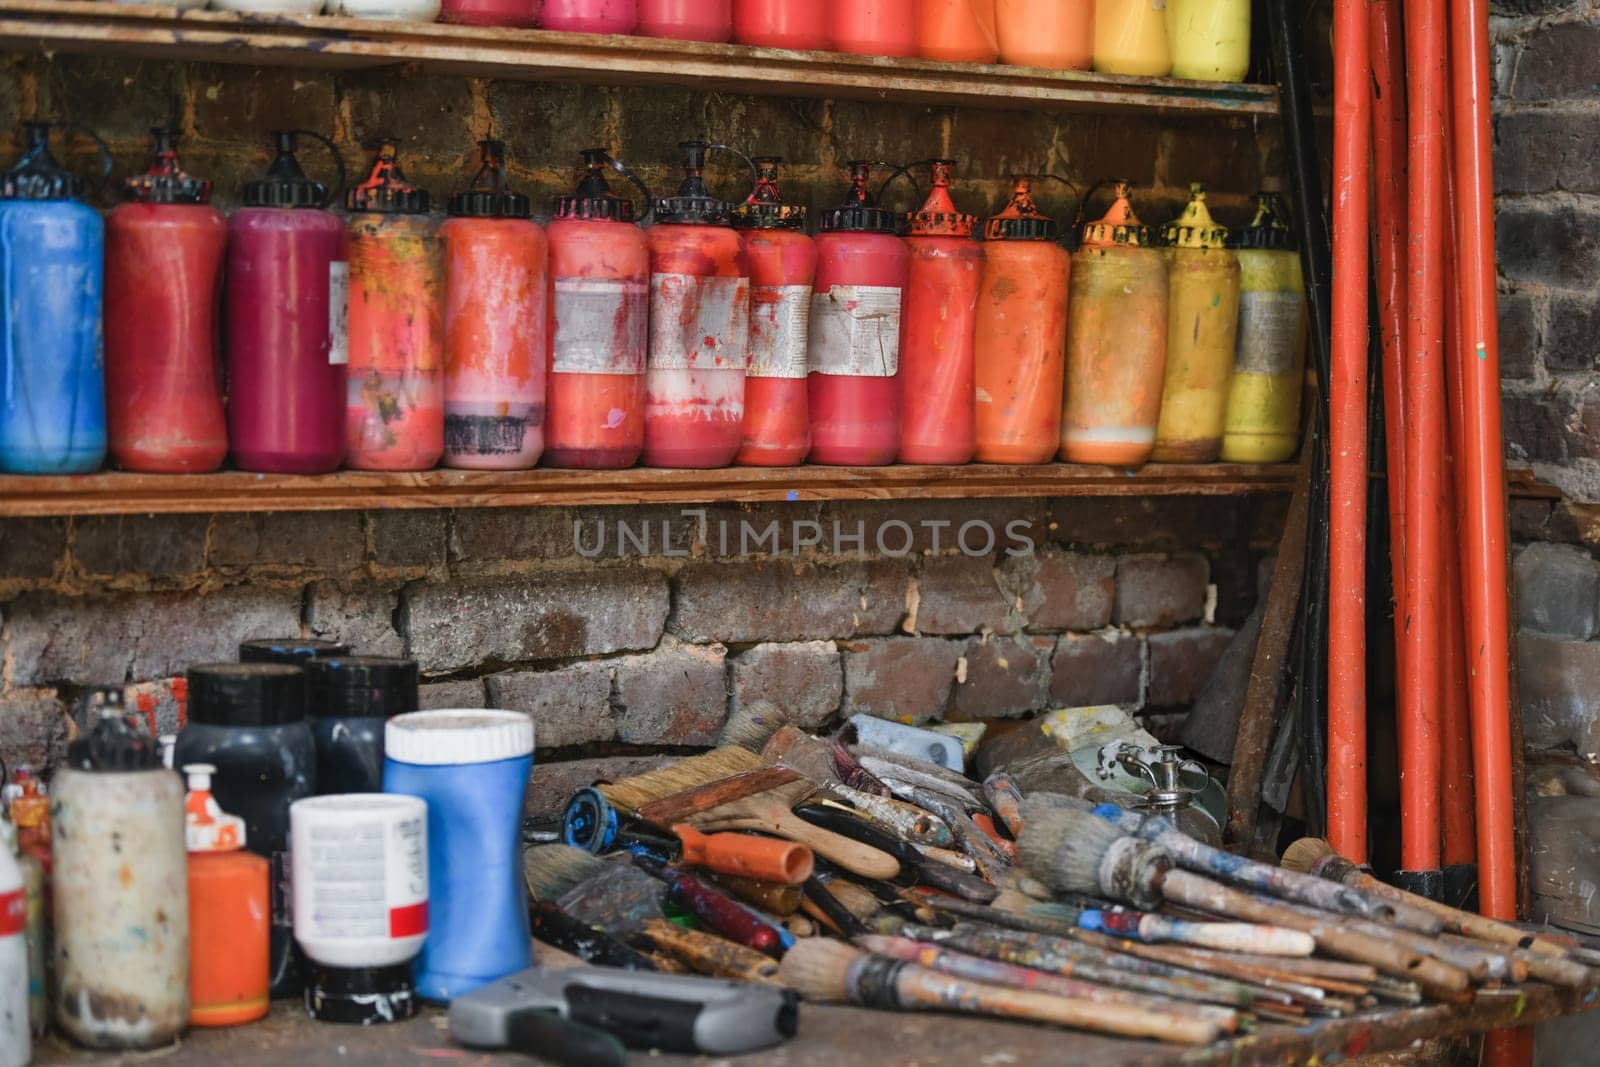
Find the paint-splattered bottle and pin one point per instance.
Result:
(230, 912)
(590, 16)
(16, 1037)
(394, 418)
(1263, 421)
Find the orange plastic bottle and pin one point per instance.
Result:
(1058, 34)
(960, 31)
(1021, 350)
(229, 912)
(875, 27)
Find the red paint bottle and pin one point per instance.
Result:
(496, 282)
(163, 272)
(853, 353)
(798, 24)
(394, 416)
(783, 265)
(287, 288)
(686, 20)
(599, 324)
(699, 326)
(875, 27)
(941, 306)
(491, 12)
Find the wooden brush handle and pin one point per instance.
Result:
(907, 820)
(1332, 936)
(853, 856)
(746, 856)
(1479, 926)
(1230, 937)
(708, 954)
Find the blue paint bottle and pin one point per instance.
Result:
(52, 367)
(472, 768)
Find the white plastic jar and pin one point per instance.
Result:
(391, 10)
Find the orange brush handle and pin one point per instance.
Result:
(746, 855)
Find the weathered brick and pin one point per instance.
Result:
(1060, 590)
(158, 546)
(1572, 339)
(112, 639)
(1546, 151)
(359, 614)
(1530, 519)
(1227, 160)
(570, 705)
(1548, 244)
(537, 119)
(31, 548)
(240, 104)
(467, 693)
(551, 785)
(1234, 573)
(485, 534)
(33, 728)
(408, 538)
(934, 527)
(1519, 335)
(1558, 591)
(451, 626)
(1181, 662)
(744, 603)
(426, 115)
(1530, 7)
(161, 703)
(803, 679)
(1090, 669)
(516, 534)
(1559, 683)
(1536, 424)
(1155, 591)
(908, 679)
(1146, 522)
(119, 98)
(1559, 61)
(963, 595)
(330, 541)
(676, 695)
(1005, 677)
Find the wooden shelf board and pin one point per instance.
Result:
(330, 42)
(236, 491)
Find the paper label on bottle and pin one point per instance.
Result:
(601, 326)
(780, 317)
(338, 313)
(365, 878)
(855, 330)
(699, 323)
(1271, 324)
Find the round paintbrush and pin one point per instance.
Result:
(752, 725)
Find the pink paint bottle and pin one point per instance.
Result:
(797, 24)
(590, 16)
(491, 12)
(287, 302)
(875, 27)
(686, 20)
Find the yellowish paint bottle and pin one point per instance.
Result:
(1263, 423)
(1210, 39)
(1130, 37)
(1202, 325)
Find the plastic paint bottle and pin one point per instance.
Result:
(492, 12)
(16, 1038)
(941, 308)
(392, 10)
(350, 699)
(360, 903)
(959, 31)
(599, 324)
(783, 264)
(1130, 37)
(36, 934)
(854, 347)
(686, 20)
(248, 721)
(230, 912)
(1210, 39)
(1057, 34)
(52, 368)
(291, 650)
(1263, 422)
(495, 342)
(874, 27)
(270, 7)
(1116, 341)
(590, 16)
(120, 892)
(472, 769)
(287, 299)
(798, 24)
(699, 326)
(1203, 324)
(1021, 335)
(30, 812)
(394, 418)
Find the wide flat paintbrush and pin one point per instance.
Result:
(831, 971)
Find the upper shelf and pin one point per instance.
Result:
(330, 42)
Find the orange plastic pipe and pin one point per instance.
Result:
(1347, 402)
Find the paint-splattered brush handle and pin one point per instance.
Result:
(1467, 923)
(851, 855)
(909, 821)
(706, 953)
(1005, 797)
(1230, 937)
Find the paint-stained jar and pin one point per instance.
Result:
(1263, 422)
(590, 16)
(1210, 39)
(686, 20)
(1130, 37)
(1058, 34)
(874, 27)
(959, 31)
(798, 24)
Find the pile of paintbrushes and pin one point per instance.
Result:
(867, 877)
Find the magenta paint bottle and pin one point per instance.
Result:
(687, 20)
(591, 16)
(287, 300)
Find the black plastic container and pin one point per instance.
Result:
(291, 650)
(349, 699)
(249, 721)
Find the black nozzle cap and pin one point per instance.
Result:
(386, 191)
(367, 687)
(360, 996)
(166, 182)
(285, 183)
(246, 694)
(290, 650)
(488, 197)
(693, 203)
(36, 175)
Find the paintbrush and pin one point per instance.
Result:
(724, 915)
(1005, 800)
(1482, 962)
(1078, 852)
(707, 954)
(752, 725)
(902, 780)
(992, 862)
(746, 855)
(831, 971)
(814, 758)
(915, 868)
(774, 898)
(549, 924)
(1556, 970)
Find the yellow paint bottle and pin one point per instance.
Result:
(1130, 37)
(1210, 39)
(1202, 325)
(1263, 423)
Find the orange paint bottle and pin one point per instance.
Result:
(959, 31)
(1058, 34)
(1021, 349)
(229, 912)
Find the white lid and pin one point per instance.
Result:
(442, 738)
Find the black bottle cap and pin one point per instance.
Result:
(765, 209)
(860, 213)
(593, 198)
(1269, 230)
(1021, 220)
(693, 204)
(36, 175)
(360, 687)
(290, 650)
(166, 182)
(386, 191)
(246, 694)
(360, 996)
(285, 183)
(488, 197)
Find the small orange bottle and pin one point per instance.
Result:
(229, 912)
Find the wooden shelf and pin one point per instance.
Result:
(236, 491)
(328, 42)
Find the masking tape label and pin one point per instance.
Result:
(600, 326)
(855, 330)
(1271, 328)
(338, 314)
(780, 329)
(699, 323)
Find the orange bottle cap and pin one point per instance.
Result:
(938, 216)
(1021, 220)
(1119, 225)
(206, 827)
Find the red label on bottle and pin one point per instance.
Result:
(408, 921)
(13, 913)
